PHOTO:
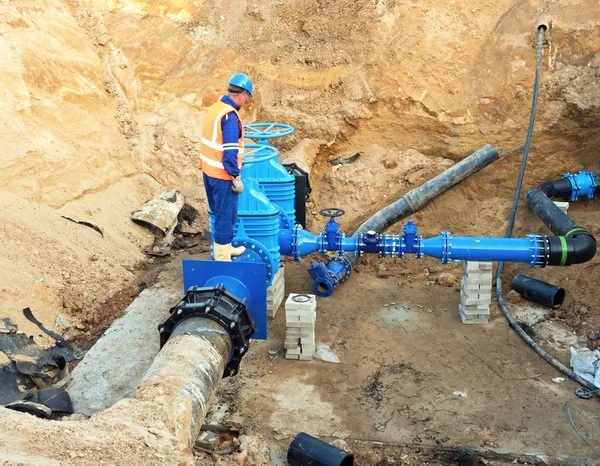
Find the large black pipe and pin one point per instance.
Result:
(417, 198)
(573, 243)
(538, 291)
(307, 450)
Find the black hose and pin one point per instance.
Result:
(513, 324)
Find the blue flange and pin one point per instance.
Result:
(255, 253)
(582, 184)
(245, 280)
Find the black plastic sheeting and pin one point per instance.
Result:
(27, 372)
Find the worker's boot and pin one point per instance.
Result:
(222, 252)
(237, 251)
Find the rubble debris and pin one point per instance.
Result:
(87, 224)
(172, 221)
(344, 160)
(446, 279)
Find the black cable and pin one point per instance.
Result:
(513, 324)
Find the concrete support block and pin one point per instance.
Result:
(474, 266)
(276, 293)
(301, 302)
(563, 206)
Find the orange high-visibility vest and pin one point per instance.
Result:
(211, 147)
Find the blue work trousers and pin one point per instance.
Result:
(223, 204)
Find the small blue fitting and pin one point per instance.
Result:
(323, 282)
(411, 240)
(370, 242)
(582, 184)
(327, 277)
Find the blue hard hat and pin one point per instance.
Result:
(243, 81)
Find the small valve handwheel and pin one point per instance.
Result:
(332, 212)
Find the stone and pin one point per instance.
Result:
(383, 272)
(342, 445)
(62, 322)
(389, 164)
(513, 297)
(446, 279)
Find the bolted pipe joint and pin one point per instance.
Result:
(202, 304)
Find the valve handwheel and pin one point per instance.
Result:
(267, 130)
(332, 212)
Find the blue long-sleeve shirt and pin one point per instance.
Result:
(231, 138)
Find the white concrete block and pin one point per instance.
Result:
(295, 351)
(298, 324)
(467, 301)
(292, 356)
(481, 294)
(478, 275)
(300, 316)
(474, 266)
(474, 308)
(564, 206)
(468, 285)
(305, 357)
(307, 349)
(473, 318)
(301, 302)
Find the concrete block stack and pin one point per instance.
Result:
(276, 293)
(300, 318)
(475, 292)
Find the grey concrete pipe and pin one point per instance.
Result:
(185, 374)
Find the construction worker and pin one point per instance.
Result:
(221, 152)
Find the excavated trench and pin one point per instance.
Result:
(111, 96)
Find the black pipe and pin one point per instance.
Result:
(538, 291)
(417, 198)
(511, 221)
(307, 450)
(573, 243)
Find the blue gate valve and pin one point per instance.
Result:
(411, 240)
(332, 227)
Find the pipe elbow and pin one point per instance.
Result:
(575, 248)
(584, 247)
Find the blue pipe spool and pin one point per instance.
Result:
(262, 164)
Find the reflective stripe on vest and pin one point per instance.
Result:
(211, 145)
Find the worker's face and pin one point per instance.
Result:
(243, 98)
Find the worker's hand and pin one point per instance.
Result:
(237, 186)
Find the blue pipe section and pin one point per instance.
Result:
(473, 248)
(583, 184)
(299, 243)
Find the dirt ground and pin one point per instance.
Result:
(103, 101)
(410, 374)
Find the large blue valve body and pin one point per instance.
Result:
(257, 228)
(262, 164)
